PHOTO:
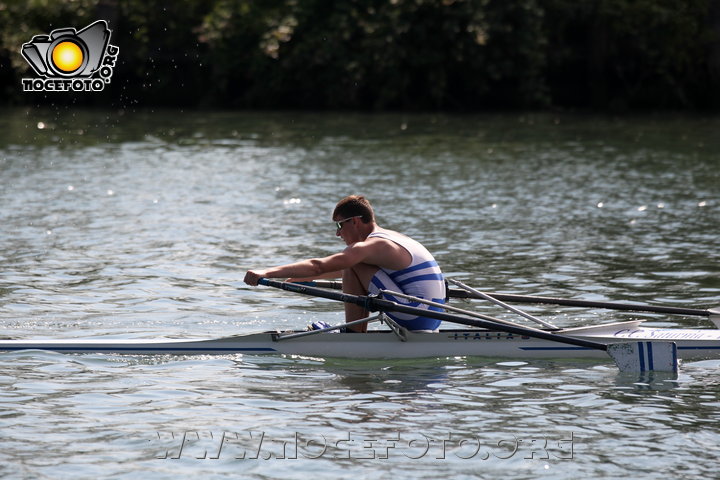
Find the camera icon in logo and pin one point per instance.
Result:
(67, 52)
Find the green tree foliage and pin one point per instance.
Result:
(375, 54)
(387, 54)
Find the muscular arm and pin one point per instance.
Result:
(327, 267)
(375, 251)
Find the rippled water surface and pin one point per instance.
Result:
(143, 224)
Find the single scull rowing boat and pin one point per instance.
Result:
(631, 345)
(692, 344)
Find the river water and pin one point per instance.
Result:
(142, 224)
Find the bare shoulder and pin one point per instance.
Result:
(371, 244)
(384, 253)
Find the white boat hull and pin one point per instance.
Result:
(693, 344)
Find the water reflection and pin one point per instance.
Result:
(362, 376)
(411, 378)
(649, 381)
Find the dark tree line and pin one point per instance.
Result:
(461, 55)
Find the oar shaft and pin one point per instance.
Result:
(568, 302)
(373, 304)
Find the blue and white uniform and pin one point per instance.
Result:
(422, 278)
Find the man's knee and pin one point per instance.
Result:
(358, 278)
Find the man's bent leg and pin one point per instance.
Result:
(355, 282)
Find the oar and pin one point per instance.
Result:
(571, 302)
(568, 302)
(632, 356)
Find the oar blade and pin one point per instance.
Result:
(645, 356)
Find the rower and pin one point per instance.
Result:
(375, 259)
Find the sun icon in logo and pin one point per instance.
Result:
(67, 56)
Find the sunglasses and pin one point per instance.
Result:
(339, 224)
